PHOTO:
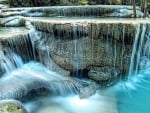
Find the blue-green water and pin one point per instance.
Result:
(135, 98)
(130, 96)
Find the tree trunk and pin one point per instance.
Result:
(145, 8)
(134, 8)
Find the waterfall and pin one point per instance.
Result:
(20, 44)
(140, 60)
(137, 49)
(147, 47)
(23, 43)
(136, 88)
(134, 50)
(75, 50)
(34, 76)
(9, 60)
(34, 36)
(141, 43)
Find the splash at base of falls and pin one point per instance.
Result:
(131, 96)
(9, 61)
(98, 103)
(33, 76)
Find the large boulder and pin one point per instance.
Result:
(11, 106)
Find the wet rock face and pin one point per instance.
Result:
(87, 91)
(98, 47)
(103, 73)
(11, 106)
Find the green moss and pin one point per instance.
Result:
(11, 108)
(83, 2)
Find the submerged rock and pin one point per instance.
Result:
(87, 91)
(103, 73)
(11, 106)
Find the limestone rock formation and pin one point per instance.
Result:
(74, 11)
(66, 45)
(85, 45)
(93, 45)
(103, 73)
(11, 106)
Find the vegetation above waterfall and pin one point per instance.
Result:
(144, 4)
(70, 2)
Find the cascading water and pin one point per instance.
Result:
(137, 48)
(34, 76)
(71, 44)
(9, 60)
(23, 48)
(124, 89)
(136, 88)
(76, 54)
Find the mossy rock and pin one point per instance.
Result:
(11, 106)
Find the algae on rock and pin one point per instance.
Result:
(11, 106)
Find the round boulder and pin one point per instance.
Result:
(11, 106)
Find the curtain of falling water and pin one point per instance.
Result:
(78, 46)
(135, 45)
(122, 50)
(137, 48)
(79, 11)
(34, 37)
(136, 88)
(44, 48)
(22, 46)
(147, 47)
(75, 51)
(9, 60)
(140, 47)
(33, 76)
